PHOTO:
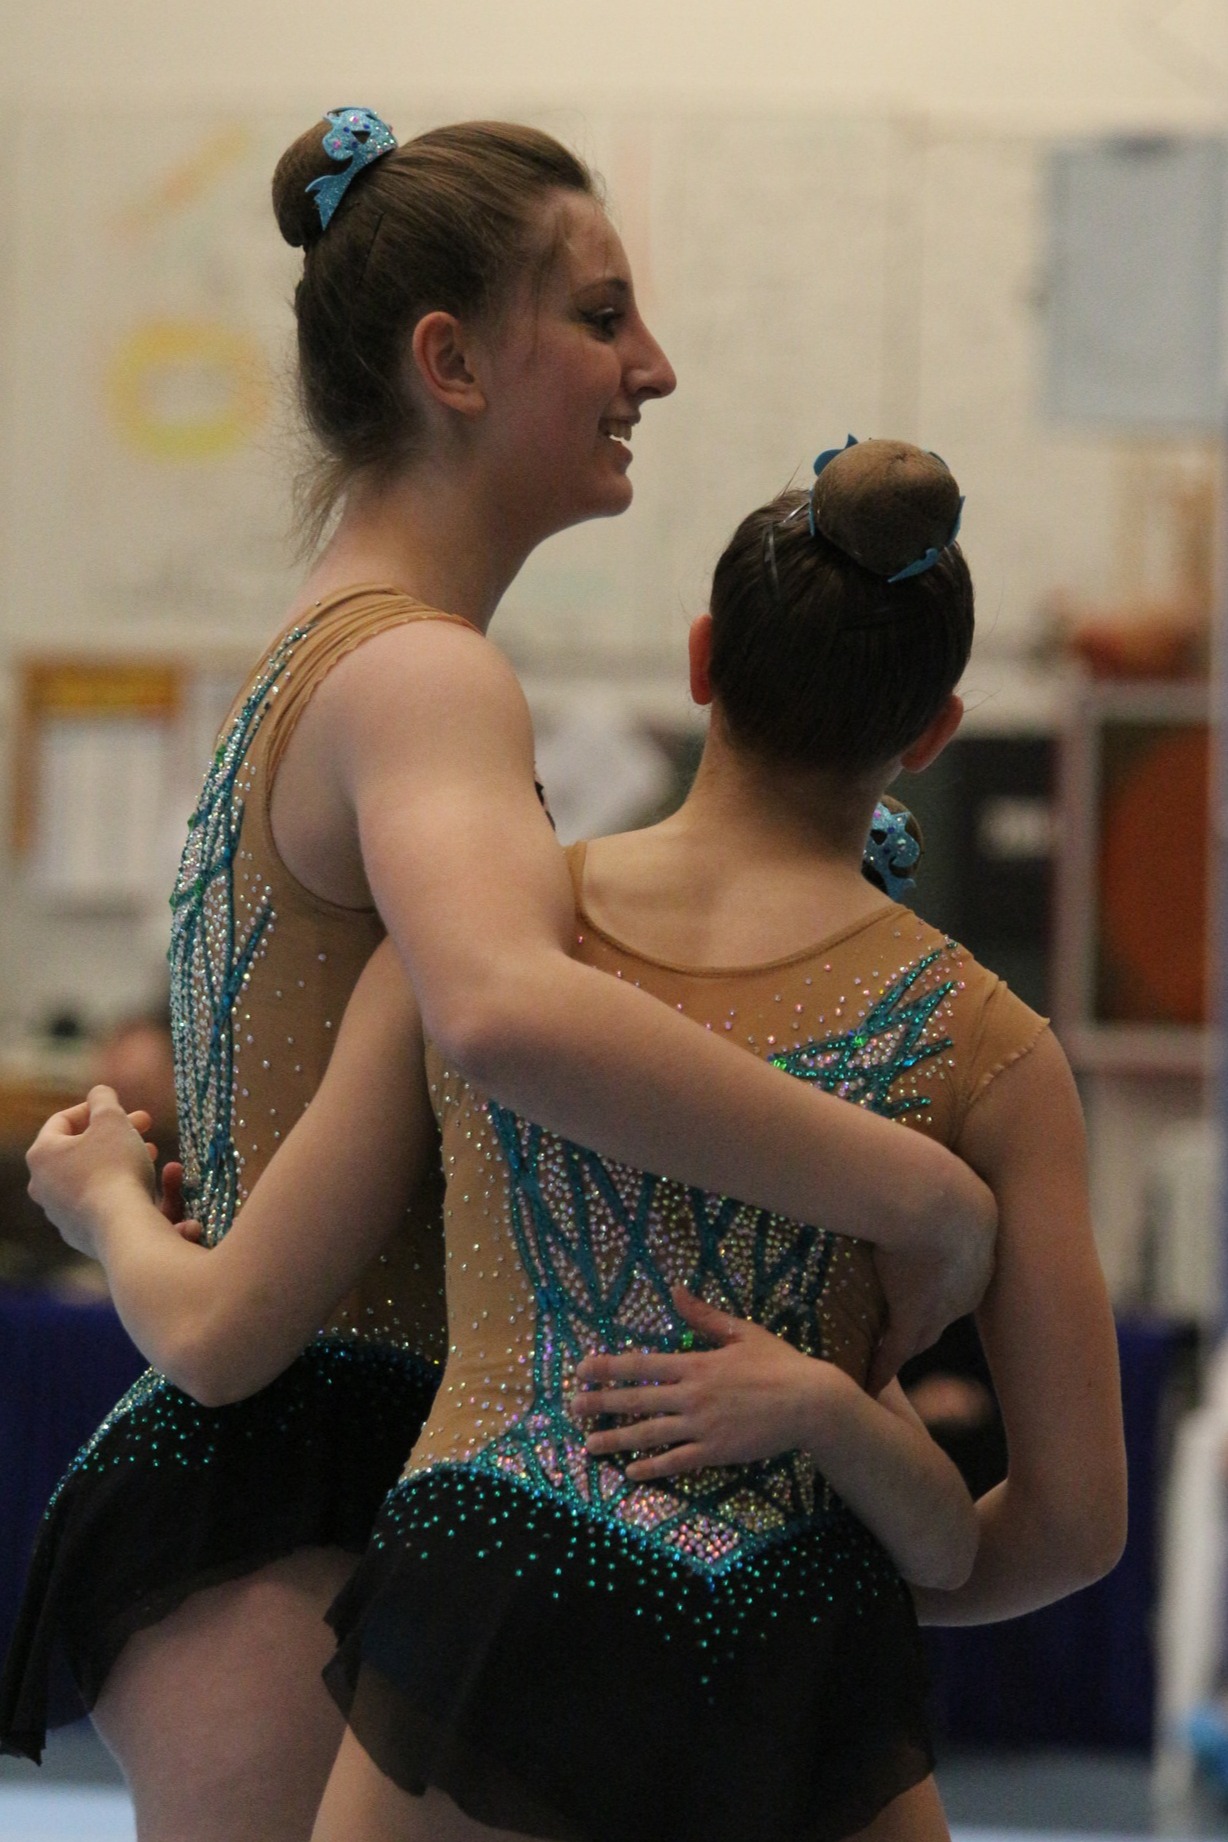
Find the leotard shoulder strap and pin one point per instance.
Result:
(334, 628)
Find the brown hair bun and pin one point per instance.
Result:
(298, 215)
(885, 504)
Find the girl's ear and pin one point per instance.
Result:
(699, 646)
(439, 349)
(932, 740)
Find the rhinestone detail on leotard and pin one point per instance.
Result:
(601, 1245)
(211, 955)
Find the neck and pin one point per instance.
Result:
(753, 811)
(433, 533)
(755, 864)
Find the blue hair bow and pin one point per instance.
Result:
(357, 136)
(891, 852)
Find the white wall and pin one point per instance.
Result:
(1014, 63)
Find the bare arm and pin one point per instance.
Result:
(1058, 1520)
(754, 1396)
(431, 743)
(223, 1321)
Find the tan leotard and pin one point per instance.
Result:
(549, 1243)
(167, 1495)
(262, 970)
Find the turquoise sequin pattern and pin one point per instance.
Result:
(603, 1244)
(211, 955)
(865, 1065)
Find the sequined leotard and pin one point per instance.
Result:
(167, 1494)
(723, 1657)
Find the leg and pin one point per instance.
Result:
(917, 1816)
(218, 1716)
(362, 1805)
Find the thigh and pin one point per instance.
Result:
(362, 1805)
(218, 1715)
(917, 1816)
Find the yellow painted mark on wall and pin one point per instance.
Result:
(187, 390)
(190, 180)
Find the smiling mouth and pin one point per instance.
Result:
(617, 430)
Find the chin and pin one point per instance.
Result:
(617, 499)
(609, 505)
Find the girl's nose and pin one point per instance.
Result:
(652, 375)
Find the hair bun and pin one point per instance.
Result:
(886, 503)
(298, 215)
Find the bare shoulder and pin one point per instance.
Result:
(422, 663)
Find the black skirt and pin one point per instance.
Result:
(169, 1496)
(563, 1677)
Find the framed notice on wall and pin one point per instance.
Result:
(109, 754)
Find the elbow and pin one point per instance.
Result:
(198, 1374)
(205, 1366)
(1096, 1535)
(948, 1565)
(1100, 1544)
(949, 1208)
(969, 1209)
(489, 1035)
(1078, 1541)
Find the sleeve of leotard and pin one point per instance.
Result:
(1006, 1029)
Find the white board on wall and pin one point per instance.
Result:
(1136, 283)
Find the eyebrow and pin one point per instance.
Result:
(614, 283)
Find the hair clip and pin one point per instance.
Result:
(769, 551)
(358, 136)
(769, 562)
(891, 851)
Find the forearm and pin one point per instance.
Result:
(158, 1283)
(895, 1479)
(604, 1064)
(1028, 1556)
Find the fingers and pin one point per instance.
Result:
(141, 1120)
(718, 1326)
(191, 1231)
(635, 1366)
(667, 1429)
(102, 1099)
(69, 1123)
(171, 1204)
(667, 1464)
(653, 1397)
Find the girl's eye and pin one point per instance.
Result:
(604, 321)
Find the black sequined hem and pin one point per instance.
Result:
(565, 1679)
(169, 1497)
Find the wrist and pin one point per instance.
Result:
(112, 1202)
(824, 1410)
